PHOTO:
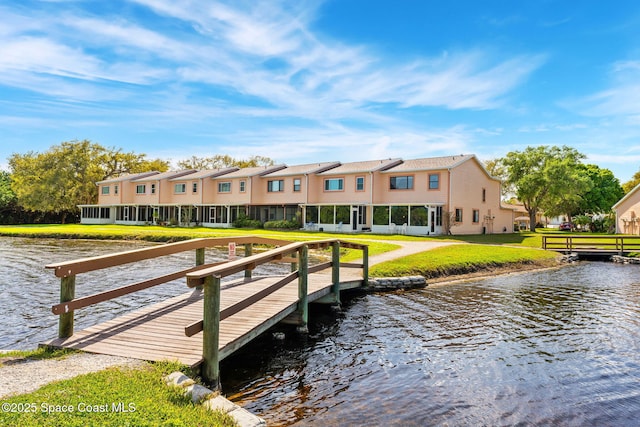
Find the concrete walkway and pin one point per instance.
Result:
(407, 248)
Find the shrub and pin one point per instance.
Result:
(282, 225)
(244, 221)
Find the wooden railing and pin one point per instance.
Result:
(68, 271)
(210, 279)
(604, 244)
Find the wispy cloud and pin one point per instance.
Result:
(619, 99)
(267, 52)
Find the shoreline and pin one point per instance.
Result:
(492, 272)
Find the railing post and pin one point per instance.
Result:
(303, 277)
(211, 331)
(67, 293)
(335, 271)
(294, 265)
(248, 251)
(365, 266)
(199, 261)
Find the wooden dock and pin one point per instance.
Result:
(590, 246)
(184, 327)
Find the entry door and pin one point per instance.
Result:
(126, 213)
(354, 219)
(432, 220)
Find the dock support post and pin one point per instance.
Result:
(211, 332)
(303, 302)
(67, 293)
(248, 251)
(335, 271)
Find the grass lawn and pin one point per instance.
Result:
(113, 397)
(461, 259)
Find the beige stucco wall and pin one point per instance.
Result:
(468, 181)
(235, 196)
(349, 195)
(420, 192)
(628, 209)
(287, 197)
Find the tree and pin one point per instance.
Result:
(114, 162)
(220, 161)
(63, 177)
(605, 193)
(8, 199)
(631, 184)
(497, 169)
(545, 178)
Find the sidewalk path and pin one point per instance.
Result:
(407, 248)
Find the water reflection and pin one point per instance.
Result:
(27, 290)
(546, 348)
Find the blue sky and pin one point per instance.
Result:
(306, 81)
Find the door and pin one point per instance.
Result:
(432, 220)
(354, 219)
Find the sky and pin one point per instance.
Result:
(306, 81)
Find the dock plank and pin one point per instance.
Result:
(156, 332)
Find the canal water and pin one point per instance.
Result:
(557, 347)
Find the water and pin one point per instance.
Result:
(557, 348)
(28, 290)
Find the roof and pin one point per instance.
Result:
(431, 163)
(255, 171)
(165, 175)
(362, 167)
(128, 177)
(207, 173)
(310, 168)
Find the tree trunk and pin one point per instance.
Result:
(532, 219)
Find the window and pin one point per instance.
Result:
(381, 215)
(180, 188)
(335, 184)
(458, 216)
(141, 189)
(115, 189)
(419, 216)
(434, 181)
(343, 214)
(243, 186)
(360, 183)
(105, 190)
(399, 214)
(224, 187)
(194, 187)
(401, 183)
(275, 186)
(297, 184)
(153, 189)
(476, 216)
(484, 195)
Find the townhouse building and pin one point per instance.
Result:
(429, 196)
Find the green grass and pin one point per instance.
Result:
(166, 234)
(148, 401)
(461, 259)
